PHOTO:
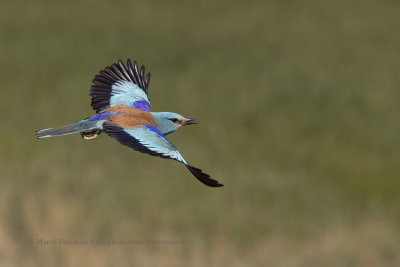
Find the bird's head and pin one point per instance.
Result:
(169, 122)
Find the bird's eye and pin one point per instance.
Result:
(174, 120)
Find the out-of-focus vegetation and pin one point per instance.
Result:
(299, 104)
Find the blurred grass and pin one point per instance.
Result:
(299, 106)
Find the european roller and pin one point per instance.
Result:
(120, 98)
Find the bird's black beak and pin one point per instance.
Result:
(189, 121)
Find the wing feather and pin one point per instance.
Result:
(132, 73)
(148, 139)
(118, 84)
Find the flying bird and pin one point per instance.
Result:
(120, 98)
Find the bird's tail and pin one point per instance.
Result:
(82, 126)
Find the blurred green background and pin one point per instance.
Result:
(298, 103)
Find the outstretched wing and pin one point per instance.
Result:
(117, 84)
(147, 139)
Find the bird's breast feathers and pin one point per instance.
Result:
(130, 118)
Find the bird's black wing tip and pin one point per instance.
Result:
(203, 177)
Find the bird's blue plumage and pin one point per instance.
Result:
(119, 97)
(164, 121)
(146, 139)
(127, 93)
(102, 116)
(142, 105)
(153, 129)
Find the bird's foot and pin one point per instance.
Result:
(90, 135)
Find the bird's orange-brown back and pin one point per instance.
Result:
(130, 118)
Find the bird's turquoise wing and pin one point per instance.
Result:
(148, 139)
(118, 84)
